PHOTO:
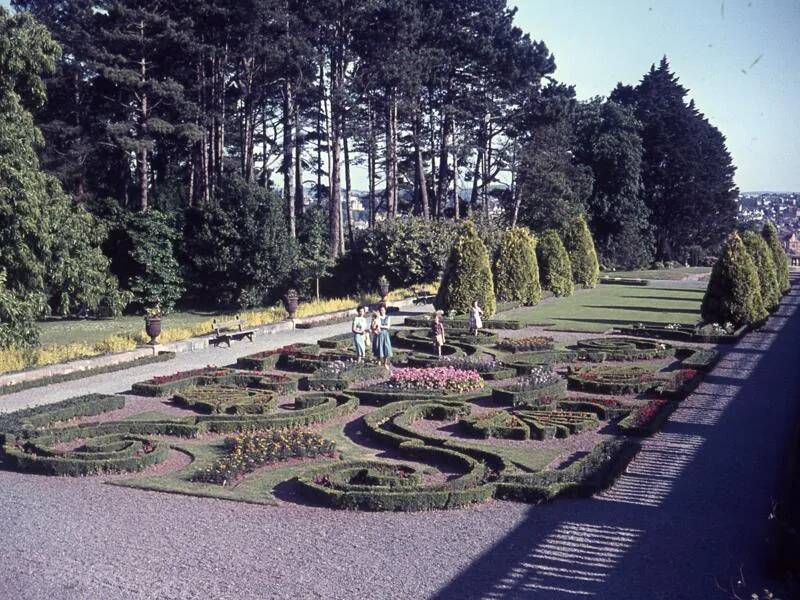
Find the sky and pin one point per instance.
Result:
(735, 56)
(738, 58)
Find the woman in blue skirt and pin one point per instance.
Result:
(381, 339)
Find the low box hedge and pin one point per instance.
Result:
(558, 423)
(531, 397)
(47, 414)
(585, 477)
(499, 424)
(269, 359)
(623, 281)
(224, 399)
(463, 323)
(323, 322)
(626, 349)
(649, 418)
(614, 380)
(684, 333)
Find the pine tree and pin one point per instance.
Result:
(734, 293)
(770, 234)
(516, 270)
(554, 265)
(765, 266)
(582, 254)
(467, 276)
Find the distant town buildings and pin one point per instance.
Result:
(783, 209)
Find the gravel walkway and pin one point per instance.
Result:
(692, 507)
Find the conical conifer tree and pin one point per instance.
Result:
(734, 293)
(582, 253)
(516, 273)
(770, 234)
(765, 267)
(555, 269)
(467, 275)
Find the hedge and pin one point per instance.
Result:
(281, 384)
(662, 408)
(461, 322)
(582, 253)
(624, 349)
(377, 397)
(614, 380)
(531, 397)
(606, 280)
(90, 372)
(557, 423)
(684, 333)
(47, 414)
(324, 322)
(269, 359)
(109, 453)
(222, 399)
(498, 424)
(600, 407)
(554, 264)
(585, 477)
(524, 362)
(320, 381)
(516, 270)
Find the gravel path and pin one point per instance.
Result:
(692, 507)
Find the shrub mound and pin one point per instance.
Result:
(516, 270)
(526, 344)
(582, 253)
(762, 256)
(467, 276)
(779, 258)
(554, 265)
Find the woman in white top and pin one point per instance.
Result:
(475, 318)
(359, 332)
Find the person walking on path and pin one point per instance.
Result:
(437, 331)
(381, 340)
(359, 334)
(475, 318)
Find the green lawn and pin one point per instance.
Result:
(90, 331)
(663, 274)
(606, 306)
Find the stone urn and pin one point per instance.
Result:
(383, 288)
(152, 326)
(290, 302)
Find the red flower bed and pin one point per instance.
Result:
(648, 412)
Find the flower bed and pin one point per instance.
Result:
(308, 363)
(604, 408)
(648, 418)
(626, 348)
(445, 379)
(225, 399)
(632, 379)
(526, 344)
(489, 370)
(248, 451)
(540, 385)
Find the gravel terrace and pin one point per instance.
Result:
(692, 507)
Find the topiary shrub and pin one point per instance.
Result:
(582, 253)
(734, 294)
(516, 270)
(761, 254)
(555, 268)
(770, 234)
(467, 276)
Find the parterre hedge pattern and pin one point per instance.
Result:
(249, 402)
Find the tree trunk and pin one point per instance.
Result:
(288, 156)
(456, 199)
(299, 195)
(334, 145)
(391, 156)
(248, 120)
(143, 116)
(444, 178)
(371, 159)
(420, 170)
(348, 187)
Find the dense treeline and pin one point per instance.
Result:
(215, 141)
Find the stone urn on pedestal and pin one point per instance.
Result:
(152, 324)
(290, 302)
(383, 288)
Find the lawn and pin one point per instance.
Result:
(607, 306)
(91, 331)
(662, 274)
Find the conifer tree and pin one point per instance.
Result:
(582, 253)
(770, 234)
(516, 268)
(765, 266)
(555, 269)
(734, 294)
(467, 276)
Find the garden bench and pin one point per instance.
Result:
(227, 331)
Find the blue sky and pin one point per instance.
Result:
(712, 46)
(709, 43)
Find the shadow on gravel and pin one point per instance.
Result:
(691, 510)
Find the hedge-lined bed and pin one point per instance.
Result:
(705, 333)
(269, 359)
(340, 376)
(541, 391)
(169, 384)
(626, 349)
(90, 372)
(615, 380)
(488, 370)
(463, 323)
(226, 399)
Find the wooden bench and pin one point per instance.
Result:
(227, 331)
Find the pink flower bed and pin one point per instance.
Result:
(438, 378)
